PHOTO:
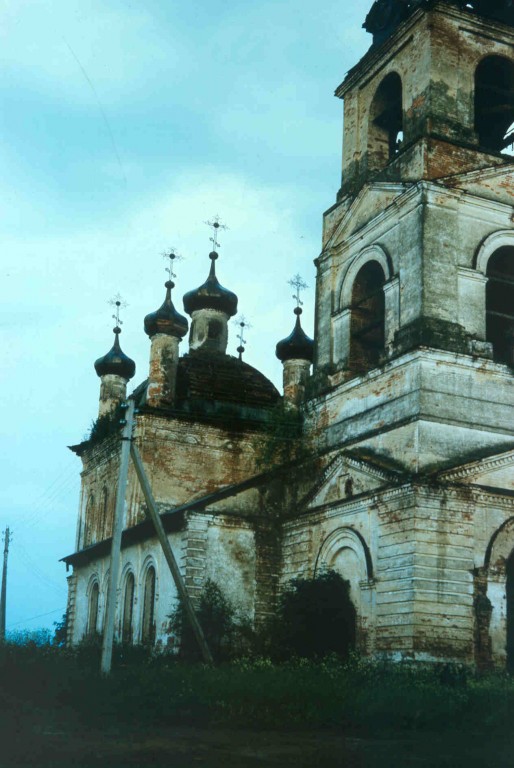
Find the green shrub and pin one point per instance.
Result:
(49, 686)
(216, 616)
(315, 618)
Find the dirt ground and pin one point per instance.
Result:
(222, 748)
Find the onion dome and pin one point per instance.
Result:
(211, 295)
(166, 319)
(297, 346)
(116, 362)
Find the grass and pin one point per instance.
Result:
(50, 687)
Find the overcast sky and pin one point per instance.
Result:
(125, 126)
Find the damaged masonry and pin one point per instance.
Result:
(403, 477)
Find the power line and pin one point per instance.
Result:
(33, 618)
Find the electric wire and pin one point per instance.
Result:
(33, 618)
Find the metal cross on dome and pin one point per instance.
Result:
(171, 257)
(243, 324)
(119, 303)
(215, 225)
(300, 285)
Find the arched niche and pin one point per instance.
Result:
(499, 571)
(345, 539)
(494, 104)
(346, 552)
(385, 126)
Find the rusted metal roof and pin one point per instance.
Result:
(204, 375)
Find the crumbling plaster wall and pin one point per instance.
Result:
(428, 242)
(436, 54)
(183, 460)
(416, 410)
(135, 558)
(210, 547)
(426, 545)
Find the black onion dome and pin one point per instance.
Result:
(115, 361)
(166, 319)
(211, 295)
(297, 346)
(386, 15)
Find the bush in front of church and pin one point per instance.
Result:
(315, 618)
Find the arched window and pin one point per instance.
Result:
(128, 609)
(494, 104)
(367, 325)
(500, 304)
(385, 131)
(92, 618)
(148, 633)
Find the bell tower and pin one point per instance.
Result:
(415, 289)
(414, 338)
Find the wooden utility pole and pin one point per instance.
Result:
(154, 516)
(3, 596)
(110, 611)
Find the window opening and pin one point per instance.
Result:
(386, 122)
(128, 609)
(494, 104)
(215, 329)
(500, 304)
(367, 325)
(148, 634)
(92, 620)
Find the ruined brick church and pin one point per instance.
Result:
(406, 483)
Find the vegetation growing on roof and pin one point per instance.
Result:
(283, 439)
(105, 426)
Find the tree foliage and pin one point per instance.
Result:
(315, 618)
(282, 440)
(61, 631)
(216, 615)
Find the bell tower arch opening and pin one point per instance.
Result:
(367, 324)
(385, 132)
(494, 104)
(500, 304)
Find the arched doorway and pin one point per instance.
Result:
(345, 552)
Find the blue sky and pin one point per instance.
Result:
(124, 127)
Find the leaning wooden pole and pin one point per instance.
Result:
(119, 513)
(153, 514)
(3, 595)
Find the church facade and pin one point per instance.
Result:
(405, 484)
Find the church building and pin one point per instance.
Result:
(404, 480)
